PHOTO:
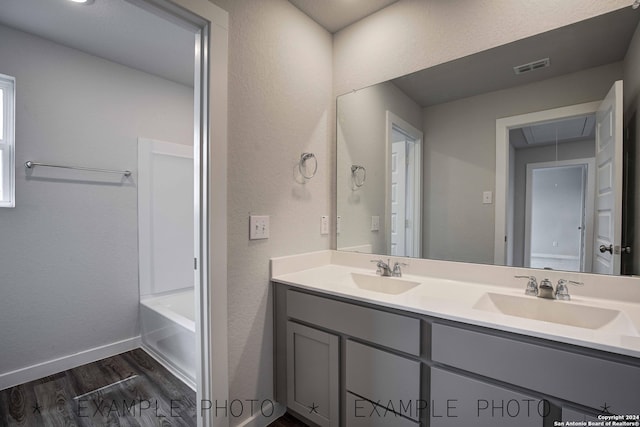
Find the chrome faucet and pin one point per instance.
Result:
(397, 272)
(532, 285)
(383, 267)
(562, 290)
(546, 290)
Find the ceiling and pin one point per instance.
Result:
(112, 29)
(334, 15)
(567, 130)
(586, 44)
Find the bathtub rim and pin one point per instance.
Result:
(152, 302)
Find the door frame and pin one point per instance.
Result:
(503, 235)
(394, 120)
(210, 24)
(588, 205)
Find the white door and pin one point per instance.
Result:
(555, 216)
(398, 197)
(608, 200)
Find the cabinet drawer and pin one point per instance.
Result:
(586, 380)
(461, 401)
(384, 378)
(362, 413)
(390, 330)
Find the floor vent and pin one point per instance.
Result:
(525, 68)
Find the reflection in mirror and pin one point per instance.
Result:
(476, 161)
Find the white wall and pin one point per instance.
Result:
(631, 106)
(460, 139)
(361, 133)
(68, 253)
(280, 105)
(414, 34)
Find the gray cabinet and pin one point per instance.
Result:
(458, 400)
(357, 364)
(363, 413)
(389, 380)
(568, 375)
(372, 325)
(313, 374)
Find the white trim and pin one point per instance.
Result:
(53, 366)
(258, 420)
(543, 255)
(210, 193)
(8, 83)
(503, 126)
(417, 135)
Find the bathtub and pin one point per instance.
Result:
(169, 332)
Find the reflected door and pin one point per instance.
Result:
(608, 212)
(399, 198)
(403, 199)
(555, 217)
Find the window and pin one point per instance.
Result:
(7, 136)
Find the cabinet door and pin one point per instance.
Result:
(363, 413)
(313, 374)
(457, 400)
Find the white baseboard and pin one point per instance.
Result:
(50, 367)
(259, 420)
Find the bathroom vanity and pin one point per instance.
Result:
(433, 348)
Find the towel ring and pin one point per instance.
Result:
(302, 164)
(358, 178)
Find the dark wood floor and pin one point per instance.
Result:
(127, 390)
(287, 420)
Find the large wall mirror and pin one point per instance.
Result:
(513, 156)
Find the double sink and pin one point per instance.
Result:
(580, 315)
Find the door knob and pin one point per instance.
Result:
(604, 249)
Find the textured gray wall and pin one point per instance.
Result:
(362, 130)
(280, 105)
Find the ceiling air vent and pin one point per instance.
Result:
(525, 68)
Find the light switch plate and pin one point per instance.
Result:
(487, 197)
(258, 227)
(375, 223)
(324, 224)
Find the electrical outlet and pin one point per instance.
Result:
(258, 227)
(338, 224)
(324, 224)
(375, 223)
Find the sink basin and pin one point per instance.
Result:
(385, 285)
(581, 316)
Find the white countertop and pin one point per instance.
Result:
(461, 300)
